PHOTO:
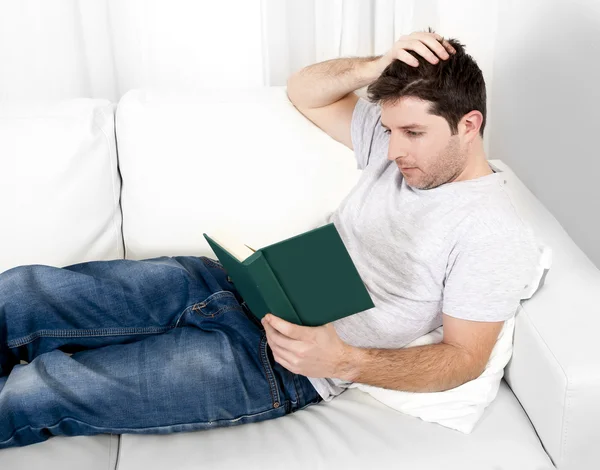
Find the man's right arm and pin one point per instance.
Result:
(324, 92)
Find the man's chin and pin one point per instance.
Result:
(412, 182)
(415, 184)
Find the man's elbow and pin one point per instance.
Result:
(470, 367)
(473, 367)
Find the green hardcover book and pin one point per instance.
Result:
(309, 279)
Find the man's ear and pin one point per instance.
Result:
(470, 124)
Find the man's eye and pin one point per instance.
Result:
(409, 133)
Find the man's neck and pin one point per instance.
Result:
(477, 170)
(479, 166)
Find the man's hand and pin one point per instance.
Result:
(312, 351)
(423, 43)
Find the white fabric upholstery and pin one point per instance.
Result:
(59, 183)
(555, 367)
(353, 431)
(64, 453)
(244, 162)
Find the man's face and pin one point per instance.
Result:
(427, 146)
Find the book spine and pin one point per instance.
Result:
(274, 297)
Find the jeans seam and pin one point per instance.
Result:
(296, 388)
(76, 333)
(233, 305)
(120, 331)
(223, 309)
(262, 351)
(213, 296)
(213, 263)
(184, 310)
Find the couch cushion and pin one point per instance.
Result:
(245, 162)
(64, 453)
(351, 431)
(59, 183)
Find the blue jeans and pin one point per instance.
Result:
(156, 346)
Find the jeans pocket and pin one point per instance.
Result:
(217, 303)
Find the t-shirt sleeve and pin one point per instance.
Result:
(488, 277)
(366, 131)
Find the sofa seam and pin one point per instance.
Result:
(121, 182)
(152, 429)
(564, 419)
(116, 200)
(118, 456)
(109, 450)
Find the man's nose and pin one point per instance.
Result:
(397, 149)
(395, 153)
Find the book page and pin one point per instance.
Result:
(236, 248)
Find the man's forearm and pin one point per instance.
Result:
(429, 368)
(326, 82)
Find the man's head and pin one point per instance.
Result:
(446, 103)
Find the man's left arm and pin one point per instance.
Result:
(319, 352)
(460, 357)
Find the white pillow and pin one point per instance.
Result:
(461, 408)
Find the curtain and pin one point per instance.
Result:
(102, 48)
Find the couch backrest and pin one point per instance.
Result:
(246, 162)
(59, 183)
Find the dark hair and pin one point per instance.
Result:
(454, 86)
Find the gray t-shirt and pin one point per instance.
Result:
(461, 249)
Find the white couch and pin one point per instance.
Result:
(88, 179)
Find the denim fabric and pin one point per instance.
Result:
(155, 346)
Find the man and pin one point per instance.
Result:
(167, 344)
(429, 225)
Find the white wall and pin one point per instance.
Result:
(545, 107)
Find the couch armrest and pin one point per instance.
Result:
(555, 367)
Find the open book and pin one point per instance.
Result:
(309, 279)
(239, 250)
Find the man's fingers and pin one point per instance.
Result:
(449, 47)
(278, 339)
(288, 329)
(281, 354)
(432, 40)
(284, 359)
(407, 58)
(421, 49)
(437, 47)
